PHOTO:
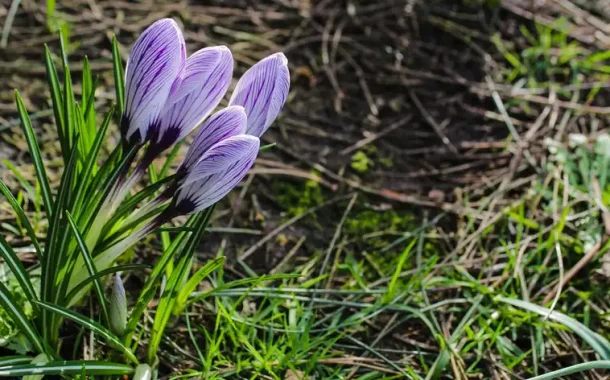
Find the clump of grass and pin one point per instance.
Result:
(545, 56)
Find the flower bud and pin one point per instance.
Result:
(262, 91)
(118, 306)
(143, 372)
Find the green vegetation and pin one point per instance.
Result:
(296, 199)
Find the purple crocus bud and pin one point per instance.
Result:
(262, 91)
(153, 69)
(220, 169)
(205, 81)
(225, 123)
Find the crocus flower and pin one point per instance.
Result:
(166, 94)
(262, 91)
(218, 171)
(163, 109)
(231, 121)
(223, 150)
(212, 177)
(206, 78)
(153, 69)
(228, 122)
(216, 163)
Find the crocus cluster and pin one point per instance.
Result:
(168, 95)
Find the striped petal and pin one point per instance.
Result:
(221, 156)
(154, 66)
(262, 91)
(206, 78)
(207, 190)
(228, 122)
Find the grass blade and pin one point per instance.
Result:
(88, 169)
(90, 266)
(57, 102)
(30, 137)
(87, 102)
(20, 319)
(14, 360)
(154, 279)
(93, 326)
(55, 257)
(97, 199)
(69, 109)
(63, 48)
(14, 264)
(597, 364)
(90, 367)
(393, 282)
(25, 222)
(57, 253)
(119, 77)
(80, 131)
(596, 341)
(168, 299)
(194, 281)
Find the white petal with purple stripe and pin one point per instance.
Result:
(225, 123)
(213, 185)
(206, 78)
(221, 156)
(262, 91)
(156, 61)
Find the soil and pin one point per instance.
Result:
(387, 79)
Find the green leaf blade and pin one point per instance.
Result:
(34, 149)
(90, 266)
(56, 101)
(119, 76)
(14, 264)
(90, 367)
(22, 218)
(171, 291)
(596, 341)
(92, 325)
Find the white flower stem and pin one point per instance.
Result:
(148, 207)
(115, 198)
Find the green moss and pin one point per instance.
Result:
(297, 198)
(361, 162)
(377, 239)
(369, 157)
(387, 162)
(368, 221)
